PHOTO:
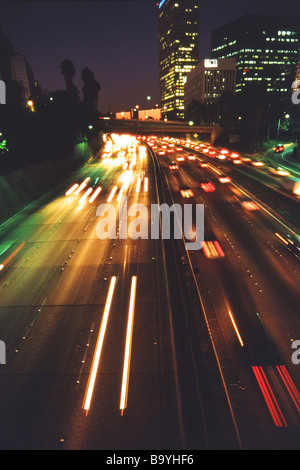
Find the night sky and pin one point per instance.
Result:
(117, 40)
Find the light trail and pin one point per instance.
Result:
(138, 185)
(269, 397)
(97, 354)
(128, 344)
(235, 328)
(80, 188)
(112, 194)
(83, 198)
(121, 193)
(281, 238)
(146, 184)
(291, 387)
(2, 266)
(96, 193)
(70, 191)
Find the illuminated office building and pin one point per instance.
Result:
(209, 80)
(178, 34)
(297, 74)
(265, 49)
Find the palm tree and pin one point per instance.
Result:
(90, 90)
(68, 72)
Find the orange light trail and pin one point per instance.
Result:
(82, 186)
(11, 256)
(146, 181)
(97, 354)
(281, 238)
(70, 191)
(112, 194)
(128, 344)
(235, 328)
(138, 185)
(96, 193)
(83, 198)
(121, 193)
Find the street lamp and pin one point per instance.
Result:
(279, 122)
(30, 105)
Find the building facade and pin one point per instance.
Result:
(141, 114)
(22, 73)
(265, 49)
(178, 35)
(209, 80)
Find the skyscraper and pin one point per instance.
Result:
(209, 80)
(265, 49)
(178, 34)
(22, 73)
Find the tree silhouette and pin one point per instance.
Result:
(68, 72)
(90, 91)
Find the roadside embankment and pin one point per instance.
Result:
(21, 187)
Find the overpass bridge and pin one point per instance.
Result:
(162, 128)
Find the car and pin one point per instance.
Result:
(234, 155)
(290, 241)
(207, 186)
(249, 204)
(256, 163)
(173, 166)
(278, 148)
(212, 249)
(279, 172)
(186, 192)
(224, 179)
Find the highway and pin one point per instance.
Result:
(250, 294)
(123, 343)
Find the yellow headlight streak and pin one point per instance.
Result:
(80, 188)
(281, 238)
(70, 191)
(138, 184)
(112, 194)
(83, 198)
(128, 344)
(97, 353)
(121, 193)
(96, 193)
(146, 184)
(235, 327)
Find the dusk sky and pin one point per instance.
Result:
(117, 40)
